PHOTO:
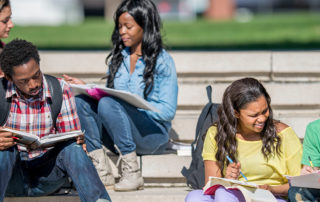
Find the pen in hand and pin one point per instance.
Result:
(230, 160)
(311, 164)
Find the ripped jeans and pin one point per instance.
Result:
(297, 194)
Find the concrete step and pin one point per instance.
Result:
(184, 123)
(158, 170)
(225, 66)
(282, 94)
(148, 194)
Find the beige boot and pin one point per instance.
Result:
(100, 160)
(131, 178)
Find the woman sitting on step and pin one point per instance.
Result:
(137, 64)
(264, 149)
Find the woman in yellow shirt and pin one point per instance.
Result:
(264, 149)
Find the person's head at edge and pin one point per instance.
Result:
(19, 61)
(5, 23)
(137, 26)
(5, 18)
(245, 110)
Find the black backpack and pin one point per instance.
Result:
(208, 116)
(55, 103)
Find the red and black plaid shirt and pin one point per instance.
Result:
(34, 116)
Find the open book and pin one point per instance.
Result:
(311, 180)
(97, 92)
(250, 190)
(34, 141)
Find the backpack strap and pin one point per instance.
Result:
(4, 103)
(209, 93)
(204, 112)
(56, 95)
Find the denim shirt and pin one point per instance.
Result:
(164, 93)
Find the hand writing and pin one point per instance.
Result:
(233, 171)
(308, 169)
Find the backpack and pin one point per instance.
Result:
(209, 115)
(55, 103)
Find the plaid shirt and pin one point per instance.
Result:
(34, 115)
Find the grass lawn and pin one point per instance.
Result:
(263, 32)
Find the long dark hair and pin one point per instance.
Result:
(147, 17)
(3, 4)
(236, 97)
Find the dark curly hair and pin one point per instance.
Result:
(16, 53)
(147, 17)
(236, 97)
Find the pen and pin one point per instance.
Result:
(230, 160)
(310, 161)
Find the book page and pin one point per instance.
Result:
(78, 89)
(229, 182)
(250, 190)
(34, 141)
(130, 98)
(257, 195)
(309, 181)
(51, 139)
(24, 138)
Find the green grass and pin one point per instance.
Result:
(278, 31)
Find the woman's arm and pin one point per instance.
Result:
(165, 91)
(72, 80)
(211, 168)
(279, 190)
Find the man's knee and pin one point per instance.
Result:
(72, 153)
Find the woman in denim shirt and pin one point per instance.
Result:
(137, 64)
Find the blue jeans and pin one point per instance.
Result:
(113, 121)
(303, 194)
(46, 174)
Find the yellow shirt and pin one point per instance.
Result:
(253, 164)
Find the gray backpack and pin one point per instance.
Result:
(208, 116)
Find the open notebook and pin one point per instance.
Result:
(250, 190)
(311, 180)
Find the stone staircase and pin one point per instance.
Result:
(291, 78)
